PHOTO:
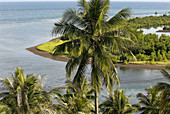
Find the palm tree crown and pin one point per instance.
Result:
(24, 93)
(77, 98)
(117, 103)
(90, 37)
(150, 102)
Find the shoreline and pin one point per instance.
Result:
(163, 31)
(65, 59)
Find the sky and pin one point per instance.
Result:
(76, 0)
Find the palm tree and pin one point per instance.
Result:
(150, 102)
(165, 94)
(76, 99)
(24, 94)
(4, 109)
(117, 103)
(90, 36)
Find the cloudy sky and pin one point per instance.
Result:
(76, 0)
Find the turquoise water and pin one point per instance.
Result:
(24, 25)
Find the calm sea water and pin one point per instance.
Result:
(24, 25)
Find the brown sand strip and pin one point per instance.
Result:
(46, 54)
(144, 66)
(64, 58)
(163, 31)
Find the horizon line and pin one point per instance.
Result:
(76, 1)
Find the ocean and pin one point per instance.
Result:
(26, 24)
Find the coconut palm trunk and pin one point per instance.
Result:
(24, 102)
(18, 100)
(96, 102)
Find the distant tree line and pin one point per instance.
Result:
(148, 21)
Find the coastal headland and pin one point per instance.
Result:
(65, 59)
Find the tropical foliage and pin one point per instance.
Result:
(77, 98)
(148, 21)
(150, 101)
(91, 36)
(117, 103)
(151, 47)
(24, 94)
(148, 47)
(165, 94)
(157, 99)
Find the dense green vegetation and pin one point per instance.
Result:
(148, 22)
(89, 36)
(166, 28)
(147, 47)
(25, 95)
(151, 48)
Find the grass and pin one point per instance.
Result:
(49, 46)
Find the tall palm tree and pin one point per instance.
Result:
(165, 93)
(90, 36)
(150, 102)
(77, 98)
(24, 94)
(117, 103)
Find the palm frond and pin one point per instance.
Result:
(66, 46)
(83, 4)
(71, 65)
(84, 60)
(102, 16)
(162, 86)
(119, 17)
(166, 74)
(7, 83)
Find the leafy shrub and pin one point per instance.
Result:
(152, 62)
(159, 56)
(125, 62)
(141, 57)
(123, 58)
(167, 67)
(168, 55)
(114, 59)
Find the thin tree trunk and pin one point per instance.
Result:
(18, 100)
(96, 102)
(18, 108)
(24, 102)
